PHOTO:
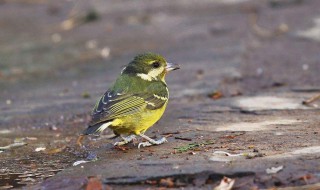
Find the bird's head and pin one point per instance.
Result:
(150, 66)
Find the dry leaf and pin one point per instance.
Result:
(216, 95)
(167, 182)
(56, 150)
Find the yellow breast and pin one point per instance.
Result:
(138, 122)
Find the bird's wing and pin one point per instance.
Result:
(114, 105)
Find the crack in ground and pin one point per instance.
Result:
(177, 180)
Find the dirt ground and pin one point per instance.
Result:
(235, 105)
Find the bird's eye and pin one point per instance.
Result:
(156, 64)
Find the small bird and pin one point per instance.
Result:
(135, 102)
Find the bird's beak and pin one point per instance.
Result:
(172, 67)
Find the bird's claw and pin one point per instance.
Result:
(144, 144)
(162, 140)
(154, 142)
(126, 140)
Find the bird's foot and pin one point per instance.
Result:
(144, 144)
(151, 142)
(126, 140)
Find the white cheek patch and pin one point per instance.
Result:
(145, 76)
(154, 73)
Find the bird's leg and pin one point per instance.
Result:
(126, 140)
(151, 141)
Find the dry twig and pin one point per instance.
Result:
(310, 100)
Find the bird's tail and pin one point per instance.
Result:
(96, 129)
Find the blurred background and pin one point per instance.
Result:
(60, 46)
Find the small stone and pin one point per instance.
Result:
(53, 128)
(40, 149)
(274, 170)
(8, 102)
(105, 52)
